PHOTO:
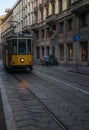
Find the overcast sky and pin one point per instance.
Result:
(6, 4)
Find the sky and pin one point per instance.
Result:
(6, 4)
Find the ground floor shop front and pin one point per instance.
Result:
(66, 52)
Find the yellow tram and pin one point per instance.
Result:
(17, 52)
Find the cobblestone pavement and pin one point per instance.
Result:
(67, 99)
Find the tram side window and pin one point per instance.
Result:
(29, 46)
(22, 46)
(14, 46)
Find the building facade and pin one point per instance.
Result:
(61, 21)
(1, 18)
(7, 27)
(59, 28)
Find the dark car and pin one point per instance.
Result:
(49, 60)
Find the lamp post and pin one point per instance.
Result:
(76, 40)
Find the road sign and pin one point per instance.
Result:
(76, 38)
(52, 43)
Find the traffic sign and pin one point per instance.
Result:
(52, 43)
(76, 38)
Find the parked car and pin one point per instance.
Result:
(49, 60)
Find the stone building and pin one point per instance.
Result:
(7, 27)
(1, 17)
(59, 27)
(23, 15)
(63, 31)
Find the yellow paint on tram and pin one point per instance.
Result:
(21, 60)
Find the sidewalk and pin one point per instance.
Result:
(76, 69)
(6, 116)
(71, 68)
(2, 118)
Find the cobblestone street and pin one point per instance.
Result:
(64, 93)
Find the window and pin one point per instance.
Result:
(70, 24)
(69, 3)
(61, 52)
(84, 51)
(41, 15)
(36, 35)
(70, 51)
(61, 25)
(64, 5)
(42, 33)
(47, 13)
(22, 46)
(48, 49)
(47, 32)
(42, 51)
(53, 8)
(84, 20)
(37, 52)
(60, 6)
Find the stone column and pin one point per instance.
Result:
(76, 53)
(65, 53)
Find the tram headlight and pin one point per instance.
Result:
(22, 60)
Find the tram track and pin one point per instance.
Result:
(61, 77)
(74, 103)
(78, 99)
(54, 117)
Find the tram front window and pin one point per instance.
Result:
(22, 46)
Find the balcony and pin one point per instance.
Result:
(51, 19)
(35, 10)
(80, 7)
(34, 27)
